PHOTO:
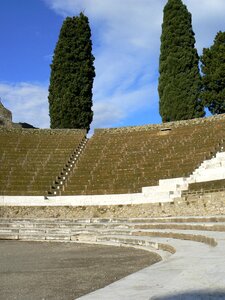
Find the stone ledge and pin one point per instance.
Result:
(163, 126)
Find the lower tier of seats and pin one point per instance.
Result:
(185, 248)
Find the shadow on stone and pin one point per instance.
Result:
(194, 295)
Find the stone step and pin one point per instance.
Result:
(194, 266)
(197, 227)
(9, 236)
(119, 221)
(73, 235)
(68, 232)
(70, 228)
(29, 236)
(40, 225)
(180, 236)
(54, 226)
(137, 242)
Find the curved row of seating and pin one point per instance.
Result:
(114, 161)
(124, 161)
(123, 230)
(30, 160)
(188, 247)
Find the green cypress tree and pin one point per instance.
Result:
(179, 80)
(72, 75)
(213, 79)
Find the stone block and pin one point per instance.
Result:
(55, 237)
(7, 236)
(31, 237)
(83, 238)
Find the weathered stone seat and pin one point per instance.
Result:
(32, 159)
(133, 157)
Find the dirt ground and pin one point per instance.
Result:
(63, 271)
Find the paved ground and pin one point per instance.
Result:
(33, 271)
(195, 272)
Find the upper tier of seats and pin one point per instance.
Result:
(31, 159)
(114, 161)
(123, 160)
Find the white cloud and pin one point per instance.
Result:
(125, 38)
(27, 101)
(126, 42)
(127, 22)
(208, 19)
(138, 22)
(113, 111)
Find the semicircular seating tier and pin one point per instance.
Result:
(31, 159)
(123, 160)
(113, 161)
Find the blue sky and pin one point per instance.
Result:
(126, 42)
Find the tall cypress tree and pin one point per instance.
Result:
(179, 81)
(72, 75)
(213, 69)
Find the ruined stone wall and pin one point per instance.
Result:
(5, 113)
(164, 126)
(18, 129)
(5, 117)
(204, 205)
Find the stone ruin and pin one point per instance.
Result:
(6, 119)
(5, 116)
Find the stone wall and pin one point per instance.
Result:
(5, 113)
(205, 205)
(18, 129)
(164, 127)
(5, 116)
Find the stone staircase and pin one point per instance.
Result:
(30, 159)
(62, 179)
(169, 189)
(212, 169)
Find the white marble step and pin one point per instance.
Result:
(195, 269)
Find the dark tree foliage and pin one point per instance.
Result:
(179, 80)
(72, 75)
(213, 69)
